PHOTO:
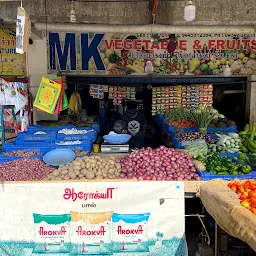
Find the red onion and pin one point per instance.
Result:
(24, 169)
(158, 164)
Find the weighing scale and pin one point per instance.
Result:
(112, 148)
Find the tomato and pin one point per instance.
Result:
(239, 194)
(245, 204)
(245, 194)
(241, 188)
(253, 210)
(234, 188)
(252, 193)
(230, 184)
(243, 198)
(252, 186)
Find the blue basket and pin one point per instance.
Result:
(91, 135)
(87, 146)
(24, 136)
(223, 130)
(231, 155)
(117, 138)
(37, 128)
(177, 144)
(39, 148)
(96, 127)
(58, 157)
(158, 118)
(210, 176)
(163, 122)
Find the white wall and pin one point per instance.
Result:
(36, 68)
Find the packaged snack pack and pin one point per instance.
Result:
(91, 233)
(51, 233)
(130, 232)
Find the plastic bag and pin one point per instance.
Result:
(196, 148)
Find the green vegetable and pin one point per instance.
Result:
(242, 157)
(247, 128)
(202, 116)
(200, 158)
(246, 169)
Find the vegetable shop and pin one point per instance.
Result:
(133, 109)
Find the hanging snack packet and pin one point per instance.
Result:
(130, 232)
(91, 233)
(52, 233)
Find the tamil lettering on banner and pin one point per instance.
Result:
(125, 54)
(135, 218)
(12, 64)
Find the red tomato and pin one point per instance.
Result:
(253, 210)
(243, 198)
(252, 193)
(234, 188)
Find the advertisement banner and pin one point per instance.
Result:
(92, 218)
(143, 54)
(11, 63)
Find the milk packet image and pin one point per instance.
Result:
(51, 233)
(91, 233)
(130, 232)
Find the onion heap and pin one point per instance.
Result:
(158, 164)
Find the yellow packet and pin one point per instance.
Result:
(91, 217)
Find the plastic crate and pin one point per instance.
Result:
(210, 176)
(96, 127)
(24, 136)
(223, 130)
(37, 128)
(90, 135)
(87, 146)
(45, 147)
(231, 155)
(32, 143)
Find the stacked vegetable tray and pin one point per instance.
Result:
(39, 140)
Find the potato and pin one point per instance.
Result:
(98, 177)
(117, 173)
(88, 165)
(83, 165)
(55, 172)
(81, 175)
(66, 177)
(98, 173)
(112, 163)
(104, 175)
(90, 175)
(70, 169)
(77, 168)
(77, 163)
(118, 166)
(111, 176)
(111, 171)
(64, 171)
(107, 167)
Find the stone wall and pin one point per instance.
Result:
(217, 12)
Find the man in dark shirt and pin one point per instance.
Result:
(136, 124)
